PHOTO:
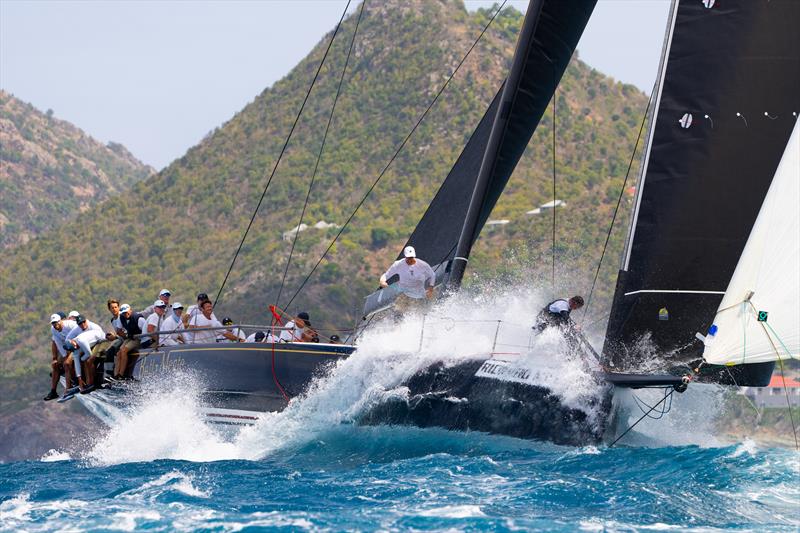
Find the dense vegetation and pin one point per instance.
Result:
(180, 228)
(50, 171)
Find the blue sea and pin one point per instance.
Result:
(391, 478)
(160, 466)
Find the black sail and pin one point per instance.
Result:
(548, 39)
(729, 95)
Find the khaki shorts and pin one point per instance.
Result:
(131, 345)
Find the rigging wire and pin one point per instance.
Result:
(283, 150)
(616, 209)
(396, 153)
(555, 94)
(662, 400)
(319, 155)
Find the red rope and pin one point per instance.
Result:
(276, 319)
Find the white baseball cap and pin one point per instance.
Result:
(73, 314)
(55, 317)
(409, 251)
(177, 305)
(159, 303)
(124, 308)
(165, 292)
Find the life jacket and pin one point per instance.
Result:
(131, 325)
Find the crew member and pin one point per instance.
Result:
(59, 329)
(81, 341)
(133, 324)
(299, 330)
(154, 321)
(556, 313)
(416, 277)
(173, 323)
(205, 320)
(236, 332)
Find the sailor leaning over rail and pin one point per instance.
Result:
(415, 279)
(556, 314)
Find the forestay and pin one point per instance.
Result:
(759, 317)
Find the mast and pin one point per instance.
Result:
(470, 228)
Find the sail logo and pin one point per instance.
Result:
(504, 371)
(762, 316)
(663, 314)
(686, 121)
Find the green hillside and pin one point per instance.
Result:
(180, 228)
(50, 170)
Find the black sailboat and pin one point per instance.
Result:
(708, 150)
(698, 197)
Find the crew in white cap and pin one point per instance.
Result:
(172, 323)
(416, 277)
(82, 339)
(73, 315)
(164, 296)
(155, 321)
(59, 329)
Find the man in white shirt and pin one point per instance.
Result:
(173, 323)
(164, 296)
(59, 329)
(235, 332)
(299, 330)
(260, 336)
(416, 278)
(81, 340)
(191, 314)
(155, 321)
(206, 319)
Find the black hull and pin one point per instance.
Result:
(245, 376)
(455, 398)
(749, 375)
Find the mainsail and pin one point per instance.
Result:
(547, 40)
(725, 108)
(759, 315)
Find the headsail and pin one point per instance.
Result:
(729, 87)
(547, 40)
(759, 317)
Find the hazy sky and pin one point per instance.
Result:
(158, 75)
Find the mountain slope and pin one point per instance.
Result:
(50, 171)
(181, 227)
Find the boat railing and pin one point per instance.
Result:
(499, 331)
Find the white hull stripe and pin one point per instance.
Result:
(673, 292)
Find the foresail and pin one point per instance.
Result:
(727, 104)
(759, 317)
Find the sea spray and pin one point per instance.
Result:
(163, 420)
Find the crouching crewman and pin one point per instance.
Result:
(81, 340)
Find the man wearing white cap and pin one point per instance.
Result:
(416, 277)
(133, 324)
(164, 296)
(155, 321)
(172, 323)
(80, 341)
(59, 329)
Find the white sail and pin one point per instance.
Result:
(766, 279)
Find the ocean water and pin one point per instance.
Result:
(159, 466)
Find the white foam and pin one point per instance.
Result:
(454, 511)
(16, 509)
(163, 421)
(55, 455)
